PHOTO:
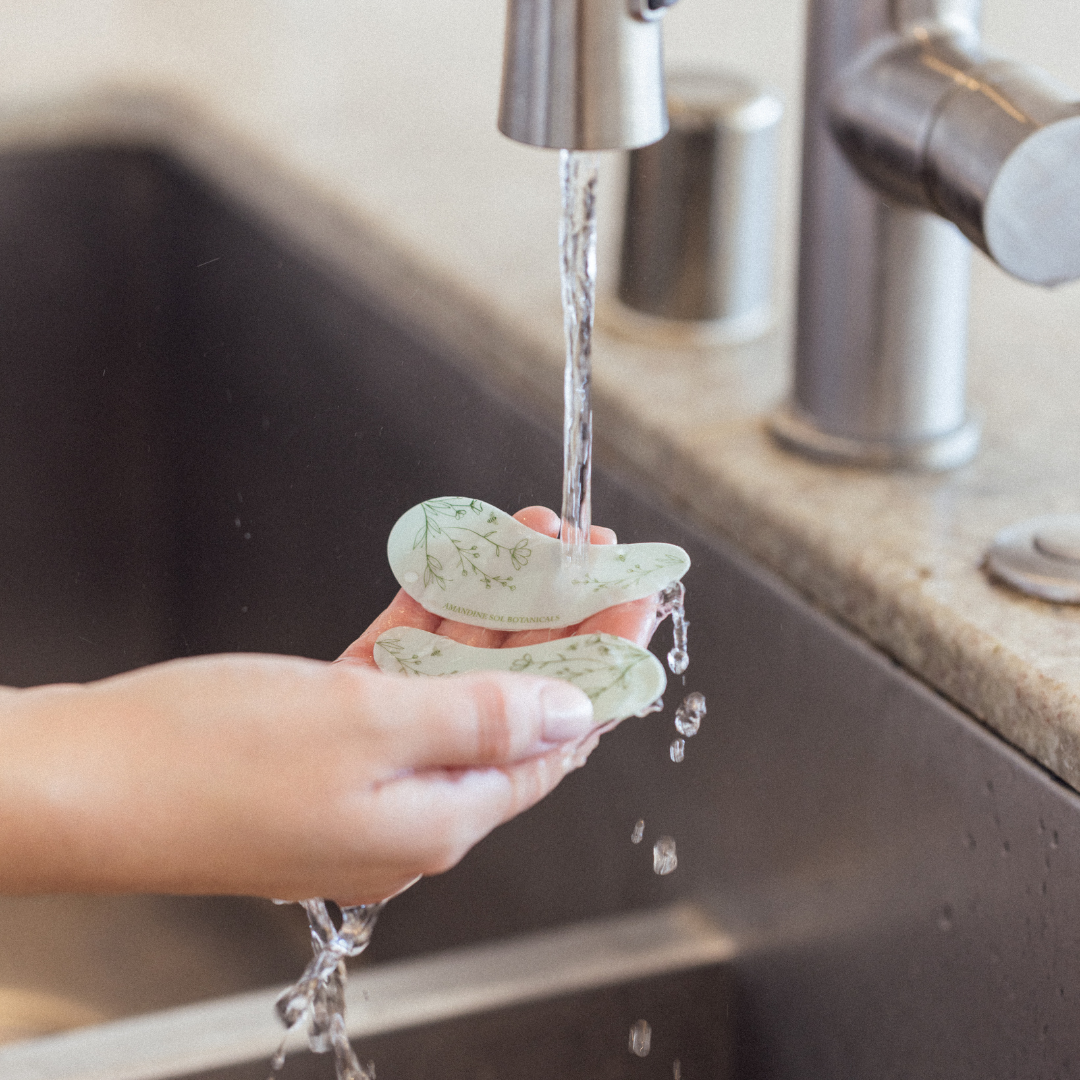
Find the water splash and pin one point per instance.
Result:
(639, 832)
(689, 714)
(318, 996)
(677, 750)
(673, 594)
(641, 1038)
(673, 602)
(664, 859)
(578, 174)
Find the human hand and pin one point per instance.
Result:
(271, 775)
(635, 621)
(285, 777)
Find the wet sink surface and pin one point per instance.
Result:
(577, 1035)
(206, 441)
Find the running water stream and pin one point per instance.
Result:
(318, 996)
(578, 174)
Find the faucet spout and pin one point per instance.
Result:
(584, 74)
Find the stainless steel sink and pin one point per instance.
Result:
(205, 441)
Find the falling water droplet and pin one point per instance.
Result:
(664, 859)
(676, 1069)
(639, 832)
(677, 750)
(673, 603)
(689, 714)
(641, 1038)
(656, 706)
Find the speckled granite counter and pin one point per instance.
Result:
(367, 132)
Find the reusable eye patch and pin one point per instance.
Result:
(469, 561)
(620, 678)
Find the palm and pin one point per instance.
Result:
(634, 621)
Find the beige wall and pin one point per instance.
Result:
(390, 106)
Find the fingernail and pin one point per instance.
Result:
(568, 713)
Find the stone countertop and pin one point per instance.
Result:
(367, 131)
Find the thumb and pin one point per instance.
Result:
(479, 719)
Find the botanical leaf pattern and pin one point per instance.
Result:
(454, 519)
(467, 560)
(620, 677)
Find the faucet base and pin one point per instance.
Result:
(790, 427)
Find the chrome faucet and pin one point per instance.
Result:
(913, 141)
(579, 76)
(584, 74)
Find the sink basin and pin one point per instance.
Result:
(206, 439)
(554, 1002)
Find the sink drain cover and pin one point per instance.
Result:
(1040, 557)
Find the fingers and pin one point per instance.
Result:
(452, 811)
(403, 611)
(635, 621)
(542, 520)
(481, 637)
(475, 720)
(522, 638)
(471, 769)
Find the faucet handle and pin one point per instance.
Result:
(1004, 165)
(989, 144)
